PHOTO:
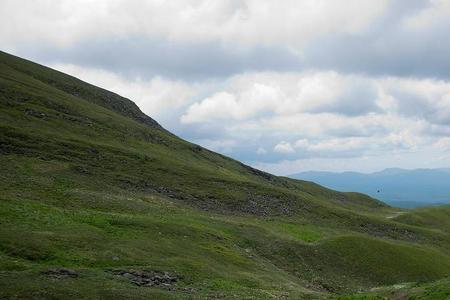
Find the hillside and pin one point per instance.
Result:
(393, 186)
(437, 218)
(99, 201)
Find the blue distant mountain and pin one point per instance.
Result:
(397, 187)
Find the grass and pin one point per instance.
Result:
(439, 290)
(437, 218)
(90, 183)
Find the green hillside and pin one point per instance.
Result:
(98, 199)
(437, 218)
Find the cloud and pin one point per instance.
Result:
(437, 12)
(443, 144)
(220, 105)
(353, 146)
(261, 151)
(287, 100)
(179, 39)
(314, 114)
(283, 147)
(427, 99)
(147, 57)
(256, 94)
(244, 22)
(401, 43)
(241, 104)
(198, 40)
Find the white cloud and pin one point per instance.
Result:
(336, 144)
(315, 114)
(253, 94)
(393, 141)
(221, 105)
(261, 151)
(245, 22)
(302, 144)
(438, 11)
(254, 99)
(443, 144)
(315, 102)
(284, 147)
(428, 99)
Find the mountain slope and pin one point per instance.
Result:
(35, 106)
(394, 186)
(90, 183)
(437, 218)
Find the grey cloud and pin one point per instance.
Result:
(145, 57)
(387, 48)
(413, 105)
(436, 130)
(383, 49)
(393, 54)
(352, 131)
(357, 100)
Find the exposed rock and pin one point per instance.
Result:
(34, 113)
(60, 273)
(81, 170)
(149, 278)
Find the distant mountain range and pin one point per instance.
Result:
(397, 187)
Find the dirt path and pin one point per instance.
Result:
(396, 214)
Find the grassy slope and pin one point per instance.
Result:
(91, 183)
(439, 290)
(437, 218)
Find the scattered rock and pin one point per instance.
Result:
(81, 170)
(149, 278)
(189, 289)
(34, 113)
(196, 149)
(60, 273)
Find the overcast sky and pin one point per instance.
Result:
(285, 86)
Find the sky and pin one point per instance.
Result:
(285, 86)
